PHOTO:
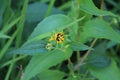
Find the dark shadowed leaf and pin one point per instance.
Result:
(109, 73)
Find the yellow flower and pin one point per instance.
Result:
(59, 37)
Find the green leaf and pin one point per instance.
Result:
(8, 26)
(98, 28)
(40, 63)
(111, 44)
(39, 11)
(34, 48)
(2, 9)
(76, 46)
(89, 7)
(49, 25)
(109, 73)
(3, 36)
(51, 75)
(98, 58)
(99, 61)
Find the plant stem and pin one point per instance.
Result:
(92, 44)
(101, 7)
(9, 70)
(86, 54)
(21, 23)
(7, 45)
(50, 8)
(70, 65)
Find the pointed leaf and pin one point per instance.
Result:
(48, 26)
(41, 63)
(33, 48)
(89, 7)
(76, 46)
(98, 28)
(3, 36)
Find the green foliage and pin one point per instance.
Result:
(40, 63)
(89, 47)
(51, 75)
(76, 46)
(2, 9)
(111, 72)
(89, 7)
(98, 58)
(55, 22)
(100, 29)
(3, 36)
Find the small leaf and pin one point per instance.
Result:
(76, 46)
(98, 28)
(51, 74)
(40, 63)
(89, 7)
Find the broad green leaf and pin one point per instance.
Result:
(39, 64)
(111, 72)
(39, 11)
(34, 48)
(51, 75)
(49, 25)
(89, 7)
(76, 46)
(98, 28)
(3, 36)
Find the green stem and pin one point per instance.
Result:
(9, 70)
(7, 45)
(65, 5)
(78, 55)
(21, 23)
(70, 65)
(77, 11)
(85, 56)
(50, 7)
